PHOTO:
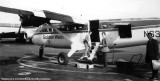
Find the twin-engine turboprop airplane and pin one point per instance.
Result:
(68, 34)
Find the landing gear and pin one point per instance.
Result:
(41, 49)
(30, 41)
(62, 58)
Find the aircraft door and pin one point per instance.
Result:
(125, 31)
(94, 26)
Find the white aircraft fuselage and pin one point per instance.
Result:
(139, 36)
(56, 40)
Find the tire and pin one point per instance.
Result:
(30, 40)
(41, 49)
(62, 58)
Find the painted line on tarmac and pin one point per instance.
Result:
(19, 61)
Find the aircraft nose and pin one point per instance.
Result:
(32, 39)
(35, 39)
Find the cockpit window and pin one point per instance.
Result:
(44, 30)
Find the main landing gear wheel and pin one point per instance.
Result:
(62, 58)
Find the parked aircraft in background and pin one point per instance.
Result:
(70, 34)
(8, 30)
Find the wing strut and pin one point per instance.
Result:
(73, 44)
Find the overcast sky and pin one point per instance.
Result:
(86, 9)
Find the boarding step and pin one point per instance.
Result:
(84, 66)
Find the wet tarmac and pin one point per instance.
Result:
(21, 62)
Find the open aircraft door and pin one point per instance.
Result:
(124, 30)
(94, 26)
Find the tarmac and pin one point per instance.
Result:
(21, 62)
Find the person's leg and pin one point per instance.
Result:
(86, 51)
(105, 59)
(154, 72)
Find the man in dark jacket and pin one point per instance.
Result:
(152, 53)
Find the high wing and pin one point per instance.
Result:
(36, 18)
(56, 16)
(15, 11)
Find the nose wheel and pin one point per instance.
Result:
(41, 49)
(62, 58)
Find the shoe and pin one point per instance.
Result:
(155, 79)
(150, 77)
(82, 59)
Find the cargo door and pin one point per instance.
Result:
(124, 30)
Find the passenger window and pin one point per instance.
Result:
(106, 26)
(73, 27)
(50, 29)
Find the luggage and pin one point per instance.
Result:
(156, 64)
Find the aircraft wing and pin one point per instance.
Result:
(56, 16)
(40, 14)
